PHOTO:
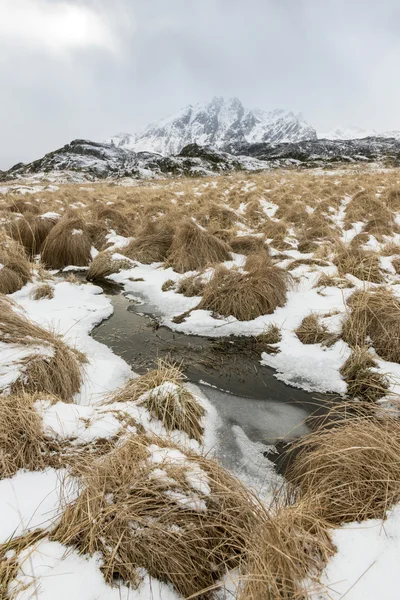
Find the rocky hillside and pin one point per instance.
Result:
(216, 124)
(85, 160)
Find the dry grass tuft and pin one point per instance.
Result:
(247, 244)
(162, 392)
(193, 248)
(246, 296)
(150, 504)
(68, 243)
(350, 472)
(152, 243)
(290, 547)
(47, 364)
(15, 269)
(362, 381)
(104, 265)
(390, 249)
(9, 564)
(363, 264)
(168, 285)
(31, 232)
(392, 199)
(113, 219)
(44, 290)
(326, 280)
(311, 331)
(374, 314)
(271, 334)
(21, 435)
(191, 285)
(21, 206)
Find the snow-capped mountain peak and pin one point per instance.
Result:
(218, 123)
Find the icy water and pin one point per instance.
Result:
(255, 410)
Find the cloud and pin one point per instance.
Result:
(57, 26)
(91, 68)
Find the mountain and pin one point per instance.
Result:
(356, 133)
(325, 153)
(348, 133)
(83, 160)
(217, 124)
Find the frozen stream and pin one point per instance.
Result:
(255, 410)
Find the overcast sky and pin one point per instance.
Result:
(92, 68)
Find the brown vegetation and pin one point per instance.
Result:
(362, 381)
(31, 232)
(68, 243)
(249, 295)
(193, 248)
(375, 314)
(182, 533)
(350, 472)
(51, 367)
(311, 331)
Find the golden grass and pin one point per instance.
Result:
(351, 471)
(249, 295)
(191, 285)
(31, 232)
(137, 517)
(152, 243)
(113, 219)
(162, 392)
(193, 248)
(45, 290)
(375, 314)
(21, 206)
(68, 243)
(21, 435)
(53, 367)
(363, 264)
(291, 546)
(15, 271)
(362, 381)
(104, 265)
(247, 244)
(312, 331)
(9, 564)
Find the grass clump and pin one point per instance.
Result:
(162, 392)
(105, 264)
(350, 472)
(151, 504)
(168, 285)
(194, 248)
(15, 269)
(376, 315)
(31, 232)
(363, 264)
(21, 435)
(311, 331)
(44, 361)
(191, 285)
(246, 296)
(152, 243)
(247, 244)
(45, 290)
(113, 219)
(68, 243)
(362, 381)
(289, 548)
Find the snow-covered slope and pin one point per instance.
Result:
(348, 133)
(216, 123)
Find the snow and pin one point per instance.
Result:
(33, 500)
(366, 564)
(212, 124)
(49, 570)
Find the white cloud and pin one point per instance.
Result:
(58, 26)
